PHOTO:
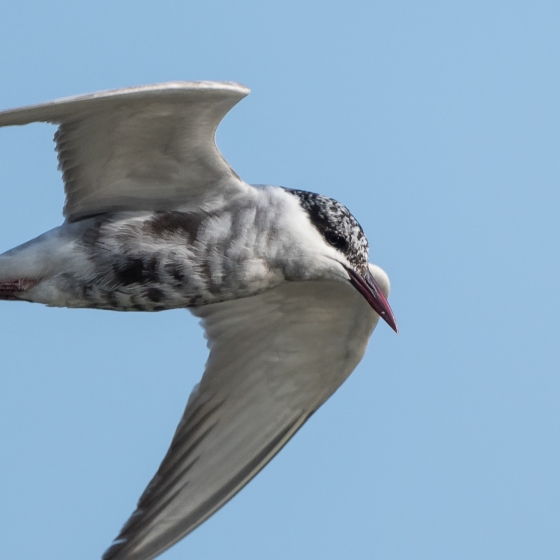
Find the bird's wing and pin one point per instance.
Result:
(274, 359)
(141, 148)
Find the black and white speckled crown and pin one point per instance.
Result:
(329, 216)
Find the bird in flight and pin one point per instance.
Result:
(156, 219)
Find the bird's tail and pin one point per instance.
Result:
(15, 289)
(25, 266)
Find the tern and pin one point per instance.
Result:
(156, 219)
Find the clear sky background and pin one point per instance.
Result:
(437, 124)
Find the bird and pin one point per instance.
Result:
(156, 219)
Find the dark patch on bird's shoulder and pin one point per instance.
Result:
(175, 223)
(155, 295)
(136, 270)
(129, 272)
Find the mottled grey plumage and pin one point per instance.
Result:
(156, 219)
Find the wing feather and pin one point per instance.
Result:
(142, 148)
(274, 359)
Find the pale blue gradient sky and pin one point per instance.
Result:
(437, 124)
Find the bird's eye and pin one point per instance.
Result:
(336, 240)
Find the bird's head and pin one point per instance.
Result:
(347, 249)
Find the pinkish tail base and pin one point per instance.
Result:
(12, 289)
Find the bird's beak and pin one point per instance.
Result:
(369, 288)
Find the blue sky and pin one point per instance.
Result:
(437, 124)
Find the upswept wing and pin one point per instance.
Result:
(274, 359)
(140, 148)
